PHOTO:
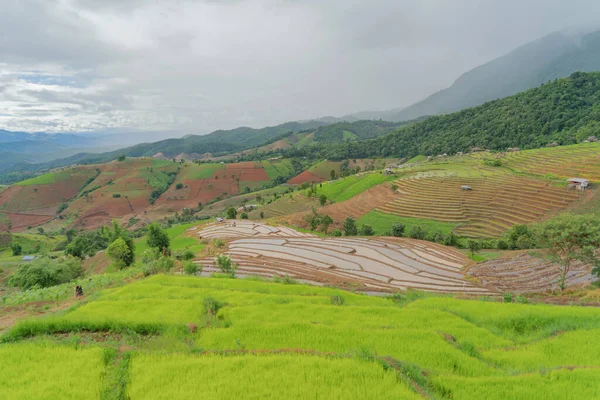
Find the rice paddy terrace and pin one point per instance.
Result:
(168, 337)
(527, 274)
(384, 264)
(581, 161)
(496, 200)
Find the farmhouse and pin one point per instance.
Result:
(388, 171)
(28, 258)
(579, 183)
(466, 187)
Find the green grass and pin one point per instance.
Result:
(45, 179)
(274, 340)
(156, 163)
(38, 371)
(348, 136)
(178, 240)
(346, 188)
(262, 377)
(275, 169)
(199, 171)
(382, 222)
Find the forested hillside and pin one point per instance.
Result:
(565, 111)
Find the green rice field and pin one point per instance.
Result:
(346, 188)
(254, 339)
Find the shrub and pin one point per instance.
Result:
(417, 232)
(120, 253)
(46, 272)
(350, 227)
(226, 266)
(366, 230)
(507, 297)
(179, 186)
(116, 195)
(218, 243)
(322, 199)
(244, 216)
(231, 213)
(16, 248)
(150, 255)
(157, 237)
(62, 207)
(337, 300)
(191, 268)
(262, 215)
(397, 230)
(522, 300)
(212, 306)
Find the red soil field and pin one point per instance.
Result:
(306, 176)
(195, 191)
(20, 222)
(20, 198)
(245, 171)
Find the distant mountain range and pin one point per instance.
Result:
(554, 56)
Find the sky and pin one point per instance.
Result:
(193, 66)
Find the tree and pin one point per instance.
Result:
(179, 186)
(191, 268)
(231, 213)
(120, 253)
(121, 157)
(397, 230)
(332, 174)
(157, 237)
(313, 220)
(474, 246)
(16, 248)
(326, 220)
(262, 215)
(322, 199)
(336, 232)
(350, 227)
(366, 230)
(226, 266)
(45, 272)
(244, 216)
(570, 238)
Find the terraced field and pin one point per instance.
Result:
(244, 229)
(495, 203)
(527, 274)
(577, 161)
(385, 264)
(173, 337)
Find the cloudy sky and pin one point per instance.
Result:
(192, 66)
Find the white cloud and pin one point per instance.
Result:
(195, 66)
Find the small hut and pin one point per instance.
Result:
(579, 183)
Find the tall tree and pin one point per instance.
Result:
(570, 238)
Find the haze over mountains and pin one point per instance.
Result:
(554, 56)
(551, 57)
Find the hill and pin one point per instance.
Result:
(566, 111)
(554, 56)
(171, 336)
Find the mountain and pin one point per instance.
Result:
(565, 111)
(554, 56)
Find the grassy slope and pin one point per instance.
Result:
(346, 188)
(303, 345)
(382, 222)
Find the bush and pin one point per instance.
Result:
(231, 213)
(46, 272)
(150, 255)
(336, 232)
(397, 230)
(337, 300)
(244, 216)
(286, 279)
(366, 230)
(16, 248)
(507, 297)
(417, 232)
(62, 207)
(226, 266)
(163, 264)
(116, 195)
(350, 227)
(322, 199)
(157, 237)
(120, 253)
(191, 268)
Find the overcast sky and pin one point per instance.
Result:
(195, 66)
